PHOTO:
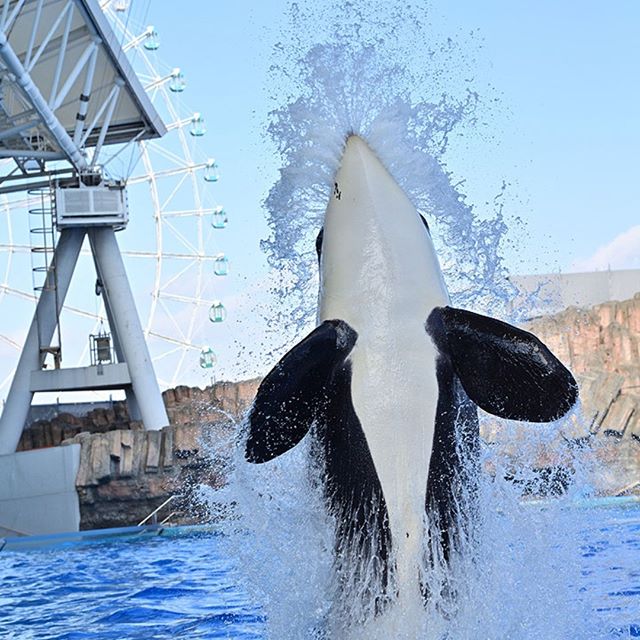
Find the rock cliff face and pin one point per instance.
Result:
(185, 406)
(125, 472)
(601, 346)
(603, 338)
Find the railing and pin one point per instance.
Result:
(625, 491)
(154, 516)
(12, 530)
(165, 520)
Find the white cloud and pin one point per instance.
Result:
(623, 252)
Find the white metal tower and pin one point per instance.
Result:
(66, 91)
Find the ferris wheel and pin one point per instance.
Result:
(172, 248)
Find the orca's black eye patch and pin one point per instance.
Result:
(425, 223)
(319, 243)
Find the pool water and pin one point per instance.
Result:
(189, 587)
(611, 571)
(154, 588)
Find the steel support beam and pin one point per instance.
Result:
(23, 79)
(45, 319)
(106, 376)
(127, 328)
(132, 403)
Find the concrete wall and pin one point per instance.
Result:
(554, 292)
(124, 475)
(124, 472)
(38, 491)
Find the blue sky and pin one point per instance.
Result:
(564, 138)
(563, 135)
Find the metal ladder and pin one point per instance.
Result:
(42, 235)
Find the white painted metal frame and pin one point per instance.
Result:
(143, 392)
(182, 283)
(51, 135)
(31, 118)
(41, 107)
(42, 329)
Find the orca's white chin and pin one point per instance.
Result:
(376, 252)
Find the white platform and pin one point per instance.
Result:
(106, 376)
(38, 491)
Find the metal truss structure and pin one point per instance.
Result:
(171, 250)
(66, 92)
(65, 87)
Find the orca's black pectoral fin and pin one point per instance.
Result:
(506, 371)
(292, 395)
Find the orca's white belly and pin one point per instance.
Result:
(380, 275)
(394, 392)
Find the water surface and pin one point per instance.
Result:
(191, 587)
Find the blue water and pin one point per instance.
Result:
(611, 571)
(154, 588)
(190, 587)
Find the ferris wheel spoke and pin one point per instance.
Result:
(179, 236)
(13, 205)
(176, 189)
(173, 340)
(177, 276)
(173, 321)
(10, 342)
(186, 150)
(173, 158)
(184, 169)
(82, 313)
(25, 295)
(7, 380)
(127, 146)
(189, 213)
(200, 302)
(168, 256)
(179, 124)
(167, 354)
(168, 154)
(155, 199)
(15, 248)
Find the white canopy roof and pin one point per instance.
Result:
(65, 83)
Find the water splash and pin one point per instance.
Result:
(367, 78)
(284, 540)
(367, 69)
(517, 571)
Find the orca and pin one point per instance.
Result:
(389, 383)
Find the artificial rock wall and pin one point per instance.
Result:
(601, 346)
(126, 472)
